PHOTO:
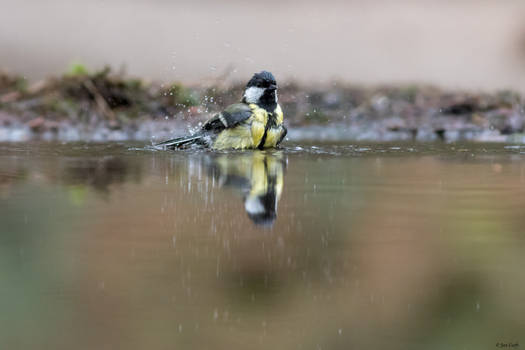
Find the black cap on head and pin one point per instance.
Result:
(263, 79)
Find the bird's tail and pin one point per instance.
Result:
(181, 142)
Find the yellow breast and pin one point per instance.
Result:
(259, 120)
(249, 135)
(274, 134)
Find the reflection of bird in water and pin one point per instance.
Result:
(259, 176)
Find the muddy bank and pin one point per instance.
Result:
(105, 106)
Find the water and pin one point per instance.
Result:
(316, 246)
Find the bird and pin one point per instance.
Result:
(254, 123)
(259, 176)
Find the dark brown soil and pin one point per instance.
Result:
(115, 102)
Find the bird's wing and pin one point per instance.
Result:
(230, 117)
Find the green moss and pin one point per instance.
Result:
(409, 93)
(21, 84)
(134, 84)
(181, 95)
(508, 97)
(77, 69)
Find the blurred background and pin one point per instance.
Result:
(455, 44)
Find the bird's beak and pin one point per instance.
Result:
(272, 87)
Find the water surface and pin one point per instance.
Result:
(318, 246)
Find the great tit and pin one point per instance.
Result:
(259, 176)
(255, 123)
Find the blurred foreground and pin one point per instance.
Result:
(392, 246)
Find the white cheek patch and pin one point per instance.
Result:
(253, 94)
(254, 206)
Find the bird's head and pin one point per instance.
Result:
(262, 90)
(262, 209)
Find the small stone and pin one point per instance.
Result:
(36, 124)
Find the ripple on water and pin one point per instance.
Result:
(368, 149)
